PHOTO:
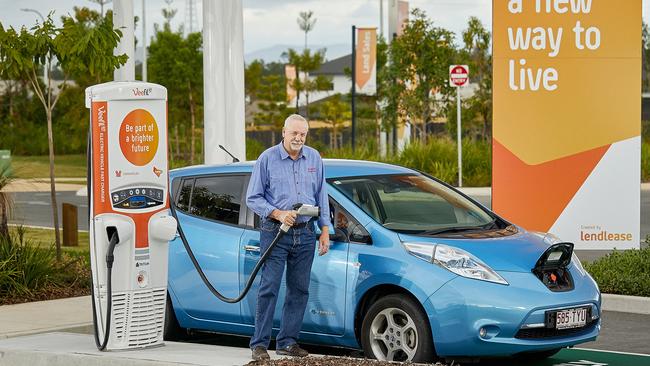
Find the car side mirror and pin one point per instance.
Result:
(338, 235)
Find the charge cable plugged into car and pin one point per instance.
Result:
(301, 210)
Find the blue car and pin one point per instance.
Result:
(416, 269)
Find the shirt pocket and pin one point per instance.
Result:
(278, 185)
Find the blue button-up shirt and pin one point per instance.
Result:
(279, 182)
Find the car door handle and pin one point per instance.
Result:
(252, 248)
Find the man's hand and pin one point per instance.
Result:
(286, 217)
(324, 241)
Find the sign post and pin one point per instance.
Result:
(459, 77)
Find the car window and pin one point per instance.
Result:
(217, 198)
(411, 203)
(347, 225)
(183, 202)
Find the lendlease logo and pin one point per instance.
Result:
(141, 92)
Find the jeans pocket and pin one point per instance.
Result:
(269, 226)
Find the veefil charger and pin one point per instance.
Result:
(130, 224)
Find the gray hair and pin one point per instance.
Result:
(295, 117)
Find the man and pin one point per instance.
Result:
(284, 175)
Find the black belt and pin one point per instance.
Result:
(295, 226)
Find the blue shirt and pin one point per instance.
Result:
(279, 182)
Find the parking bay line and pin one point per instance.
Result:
(594, 357)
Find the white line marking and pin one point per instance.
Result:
(606, 351)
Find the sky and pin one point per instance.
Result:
(272, 22)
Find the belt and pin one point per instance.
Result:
(295, 226)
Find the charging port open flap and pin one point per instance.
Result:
(552, 267)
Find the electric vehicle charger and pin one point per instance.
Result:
(129, 223)
(301, 210)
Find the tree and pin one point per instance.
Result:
(272, 103)
(177, 63)
(335, 111)
(307, 62)
(306, 23)
(252, 79)
(418, 69)
(78, 47)
(477, 55)
(6, 202)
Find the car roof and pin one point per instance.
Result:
(334, 168)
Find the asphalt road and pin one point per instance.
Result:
(35, 208)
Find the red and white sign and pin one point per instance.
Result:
(458, 75)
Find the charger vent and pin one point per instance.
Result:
(146, 317)
(120, 305)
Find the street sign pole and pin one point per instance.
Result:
(354, 85)
(458, 77)
(460, 145)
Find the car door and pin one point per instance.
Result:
(209, 210)
(327, 290)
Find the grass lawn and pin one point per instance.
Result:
(45, 238)
(65, 166)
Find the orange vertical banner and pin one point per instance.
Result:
(366, 61)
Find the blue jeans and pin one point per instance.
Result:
(296, 249)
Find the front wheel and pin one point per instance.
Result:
(395, 328)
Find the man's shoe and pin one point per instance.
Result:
(259, 354)
(292, 350)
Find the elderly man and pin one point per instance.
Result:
(284, 175)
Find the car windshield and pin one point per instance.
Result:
(413, 204)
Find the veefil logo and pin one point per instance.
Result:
(141, 92)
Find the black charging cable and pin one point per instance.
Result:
(111, 231)
(205, 279)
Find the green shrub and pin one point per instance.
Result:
(24, 267)
(623, 272)
(438, 157)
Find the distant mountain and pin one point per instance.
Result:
(274, 53)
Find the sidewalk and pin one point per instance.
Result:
(43, 185)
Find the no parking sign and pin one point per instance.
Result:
(458, 75)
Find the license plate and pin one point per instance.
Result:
(571, 318)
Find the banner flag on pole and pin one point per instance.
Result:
(366, 61)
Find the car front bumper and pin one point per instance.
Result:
(513, 316)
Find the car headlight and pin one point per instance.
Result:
(455, 260)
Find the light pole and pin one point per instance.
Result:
(144, 44)
(45, 69)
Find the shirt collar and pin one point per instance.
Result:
(284, 154)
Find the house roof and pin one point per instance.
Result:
(334, 67)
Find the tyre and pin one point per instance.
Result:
(172, 330)
(395, 328)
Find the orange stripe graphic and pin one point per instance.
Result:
(534, 196)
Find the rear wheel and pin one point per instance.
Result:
(172, 330)
(395, 328)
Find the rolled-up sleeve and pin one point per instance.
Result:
(323, 200)
(255, 194)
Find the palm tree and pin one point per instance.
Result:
(306, 23)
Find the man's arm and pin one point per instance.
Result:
(256, 186)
